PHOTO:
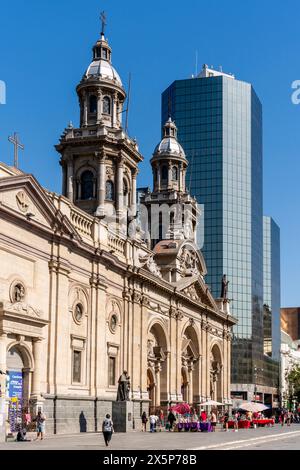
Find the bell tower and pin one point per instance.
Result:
(99, 161)
(172, 212)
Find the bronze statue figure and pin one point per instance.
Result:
(224, 292)
(123, 387)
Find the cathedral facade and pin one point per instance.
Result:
(88, 290)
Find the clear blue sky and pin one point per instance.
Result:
(46, 47)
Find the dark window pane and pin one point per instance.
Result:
(111, 371)
(87, 185)
(77, 366)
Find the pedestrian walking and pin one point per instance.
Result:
(107, 429)
(236, 421)
(171, 420)
(144, 421)
(40, 425)
(153, 421)
(282, 418)
(213, 420)
(226, 419)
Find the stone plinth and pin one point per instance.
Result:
(122, 416)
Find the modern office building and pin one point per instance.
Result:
(219, 120)
(271, 233)
(290, 322)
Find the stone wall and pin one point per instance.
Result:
(72, 415)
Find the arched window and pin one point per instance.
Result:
(174, 173)
(109, 191)
(106, 105)
(93, 104)
(87, 185)
(164, 173)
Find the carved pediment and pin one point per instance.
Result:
(23, 195)
(21, 307)
(196, 289)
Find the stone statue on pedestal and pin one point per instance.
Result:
(224, 292)
(123, 387)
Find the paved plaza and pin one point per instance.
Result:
(270, 438)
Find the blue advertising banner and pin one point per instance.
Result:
(15, 384)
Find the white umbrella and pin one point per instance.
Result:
(211, 403)
(251, 406)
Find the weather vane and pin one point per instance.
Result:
(103, 21)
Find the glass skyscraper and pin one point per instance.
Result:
(219, 122)
(272, 287)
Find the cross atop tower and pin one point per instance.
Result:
(103, 21)
(17, 145)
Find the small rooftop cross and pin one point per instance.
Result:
(17, 145)
(103, 21)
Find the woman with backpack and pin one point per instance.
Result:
(107, 429)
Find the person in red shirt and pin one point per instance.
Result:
(203, 416)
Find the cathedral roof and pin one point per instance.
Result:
(103, 69)
(169, 144)
(101, 65)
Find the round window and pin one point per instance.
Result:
(113, 323)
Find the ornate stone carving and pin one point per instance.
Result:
(188, 263)
(23, 201)
(22, 307)
(18, 292)
(151, 265)
(137, 297)
(191, 292)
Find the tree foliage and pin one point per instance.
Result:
(293, 379)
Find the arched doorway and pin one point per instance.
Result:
(216, 367)
(19, 367)
(158, 364)
(190, 366)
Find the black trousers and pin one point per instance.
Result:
(107, 436)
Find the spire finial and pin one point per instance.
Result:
(103, 21)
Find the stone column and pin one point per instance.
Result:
(85, 110)
(157, 381)
(133, 193)
(229, 345)
(114, 102)
(170, 175)
(204, 363)
(120, 189)
(191, 388)
(158, 170)
(64, 180)
(70, 176)
(180, 178)
(136, 346)
(101, 185)
(36, 378)
(99, 106)
(183, 179)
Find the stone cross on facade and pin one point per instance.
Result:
(17, 145)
